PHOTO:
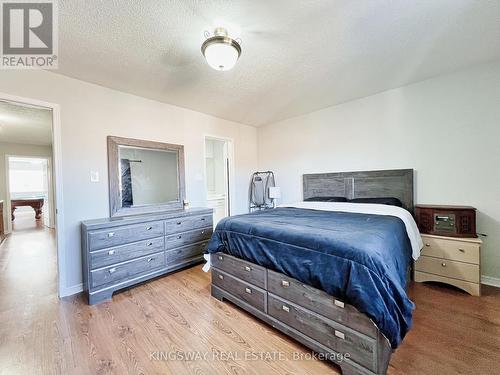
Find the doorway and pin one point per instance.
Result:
(30, 190)
(31, 175)
(217, 176)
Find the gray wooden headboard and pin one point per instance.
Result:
(396, 183)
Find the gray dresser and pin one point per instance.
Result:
(120, 252)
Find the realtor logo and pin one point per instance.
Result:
(29, 34)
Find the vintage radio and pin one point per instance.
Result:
(452, 221)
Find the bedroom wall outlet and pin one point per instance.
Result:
(94, 176)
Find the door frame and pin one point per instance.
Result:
(57, 177)
(230, 172)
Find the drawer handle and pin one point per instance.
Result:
(179, 222)
(248, 268)
(150, 259)
(443, 264)
(340, 335)
(111, 252)
(221, 277)
(112, 270)
(248, 290)
(339, 303)
(202, 219)
(221, 257)
(149, 244)
(285, 284)
(149, 228)
(428, 244)
(461, 250)
(179, 237)
(285, 308)
(202, 232)
(111, 234)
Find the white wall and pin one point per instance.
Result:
(17, 150)
(446, 128)
(89, 113)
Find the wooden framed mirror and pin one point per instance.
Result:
(144, 176)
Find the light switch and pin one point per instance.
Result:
(94, 176)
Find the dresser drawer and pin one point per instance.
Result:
(185, 253)
(186, 238)
(240, 289)
(187, 223)
(451, 249)
(327, 332)
(320, 302)
(124, 271)
(242, 269)
(113, 255)
(448, 268)
(124, 234)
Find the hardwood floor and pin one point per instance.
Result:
(139, 330)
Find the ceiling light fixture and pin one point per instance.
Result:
(221, 51)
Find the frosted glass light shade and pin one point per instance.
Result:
(221, 51)
(221, 56)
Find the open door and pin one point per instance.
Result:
(217, 178)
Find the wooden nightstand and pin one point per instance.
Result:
(451, 260)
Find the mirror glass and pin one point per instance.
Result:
(147, 176)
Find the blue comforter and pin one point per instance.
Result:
(359, 258)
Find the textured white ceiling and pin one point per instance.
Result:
(25, 124)
(298, 56)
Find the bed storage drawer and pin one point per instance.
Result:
(187, 223)
(341, 339)
(182, 239)
(242, 269)
(320, 302)
(240, 289)
(117, 254)
(182, 254)
(124, 271)
(124, 234)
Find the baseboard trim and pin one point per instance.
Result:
(489, 280)
(69, 291)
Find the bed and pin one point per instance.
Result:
(330, 275)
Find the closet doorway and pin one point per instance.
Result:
(217, 176)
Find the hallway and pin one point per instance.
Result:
(28, 284)
(27, 262)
